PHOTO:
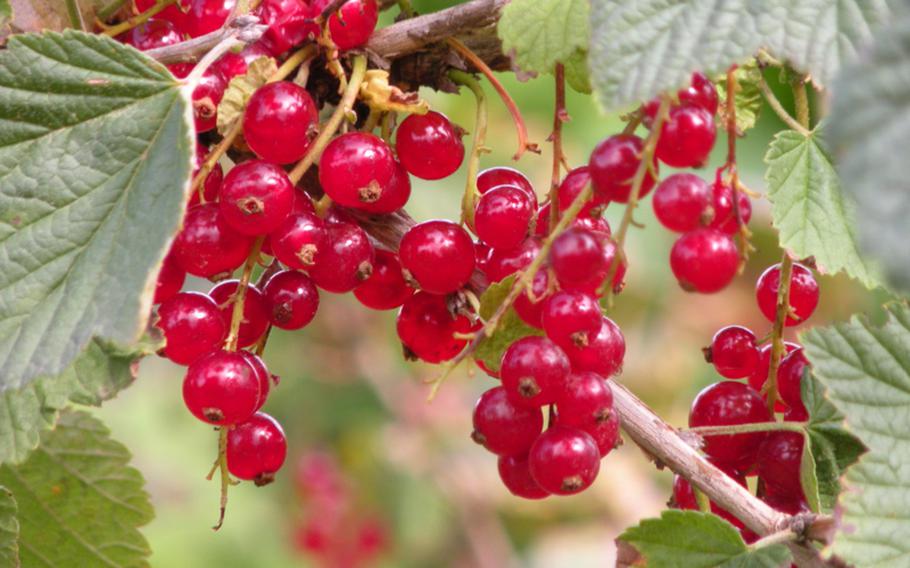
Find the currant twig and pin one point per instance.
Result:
(469, 200)
(559, 116)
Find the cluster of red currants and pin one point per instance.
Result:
(774, 456)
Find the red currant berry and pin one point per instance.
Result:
(571, 187)
(530, 311)
(680, 202)
(495, 177)
(704, 260)
(483, 367)
(385, 289)
(427, 328)
(613, 165)
(503, 263)
(595, 224)
(803, 294)
(724, 215)
(733, 352)
(394, 196)
(596, 279)
(786, 505)
(564, 460)
(211, 187)
(255, 317)
(758, 378)
(206, 96)
(192, 327)
(206, 16)
(256, 197)
(586, 400)
(170, 279)
(576, 254)
(571, 317)
(180, 70)
(292, 299)
(503, 217)
(515, 474)
(687, 137)
(605, 432)
(604, 352)
(534, 371)
(279, 121)
(438, 256)
(353, 23)
(256, 449)
(175, 13)
(429, 146)
(345, 261)
(779, 464)
(290, 23)
(730, 403)
(701, 93)
(298, 240)
(355, 168)
(221, 388)
(790, 379)
(207, 246)
(262, 375)
(503, 428)
(153, 33)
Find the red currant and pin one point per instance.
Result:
(595, 224)
(576, 255)
(256, 449)
(790, 379)
(192, 327)
(701, 92)
(564, 460)
(704, 260)
(221, 388)
(353, 23)
(256, 197)
(151, 34)
(533, 371)
(803, 294)
(255, 317)
(530, 311)
(438, 256)
(503, 217)
(345, 261)
(604, 352)
(680, 202)
(206, 16)
(605, 432)
(504, 263)
(291, 298)
(758, 378)
(355, 168)
(724, 215)
(170, 279)
(503, 428)
(730, 403)
(515, 474)
(571, 187)
(207, 246)
(298, 240)
(386, 288)
(687, 137)
(262, 375)
(733, 352)
(206, 96)
(779, 464)
(429, 146)
(279, 122)
(613, 165)
(290, 23)
(494, 177)
(427, 328)
(586, 400)
(394, 196)
(570, 317)
(175, 13)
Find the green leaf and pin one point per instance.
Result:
(95, 156)
(808, 208)
(80, 503)
(869, 129)
(576, 70)
(866, 370)
(692, 539)
(640, 48)
(542, 33)
(9, 529)
(747, 100)
(490, 349)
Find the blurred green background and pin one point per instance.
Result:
(408, 468)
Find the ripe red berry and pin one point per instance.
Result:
(356, 168)
(701, 92)
(206, 96)
(394, 196)
(426, 327)
(803, 293)
(530, 311)
(605, 432)
(704, 260)
(438, 256)
(207, 246)
(564, 460)
(345, 261)
(779, 464)
(429, 146)
(733, 352)
(595, 224)
(572, 185)
(170, 279)
(604, 352)
(587, 400)
(211, 187)
(790, 380)
(386, 288)
(151, 34)
(192, 327)
(232, 64)
(687, 137)
(534, 371)
(256, 449)
(503, 263)
(204, 16)
(262, 375)
(291, 299)
(279, 122)
(570, 317)
(515, 474)
(576, 254)
(504, 428)
(255, 317)
(596, 278)
(221, 388)
(353, 23)
(613, 165)
(724, 215)
(174, 13)
(494, 177)
(503, 217)
(680, 202)
(786, 505)
(256, 197)
(290, 23)
(297, 241)
(729, 403)
(760, 375)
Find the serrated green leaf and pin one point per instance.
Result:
(80, 503)
(692, 539)
(576, 70)
(808, 207)
(866, 370)
(748, 98)
(95, 156)
(9, 529)
(489, 351)
(869, 128)
(240, 89)
(640, 48)
(542, 33)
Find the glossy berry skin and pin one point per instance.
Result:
(345, 261)
(758, 377)
(386, 288)
(206, 16)
(153, 33)
(256, 449)
(291, 299)
(298, 240)
(595, 224)
(687, 137)
(587, 400)
(355, 168)
(255, 317)
(503, 217)
(803, 293)
(206, 96)
(501, 175)
(290, 23)
(724, 215)
(701, 92)
(613, 164)
(504, 428)
(221, 388)
(207, 246)
(604, 352)
(515, 474)
(725, 404)
(531, 312)
(262, 375)
(503, 263)
(256, 197)
(596, 278)
(733, 352)
(570, 317)
(395, 195)
(279, 122)
(211, 187)
(704, 260)
(429, 146)
(680, 202)
(779, 464)
(605, 432)
(564, 460)
(789, 379)
(571, 187)
(353, 23)
(438, 256)
(170, 279)
(192, 327)
(534, 371)
(576, 254)
(175, 13)
(426, 327)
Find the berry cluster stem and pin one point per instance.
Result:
(748, 428)
(559, 116)
(226, 481)
(777, 333)
(779, 109)
(743, 234)
(138, 19)
(469, 201)
(230, 343)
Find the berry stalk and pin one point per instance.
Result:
(469, 201)
(743, 233)
(559, 116)
(747, 428)
(230, 343)
(779, 109)
(778, 348)
(138, 19)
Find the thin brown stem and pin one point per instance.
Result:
(225, 475)
(469, 199)
(559, 116)
(138, 19)
(747, 428)
(777, 334)
(801, 101)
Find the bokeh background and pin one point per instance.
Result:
(373, 467)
